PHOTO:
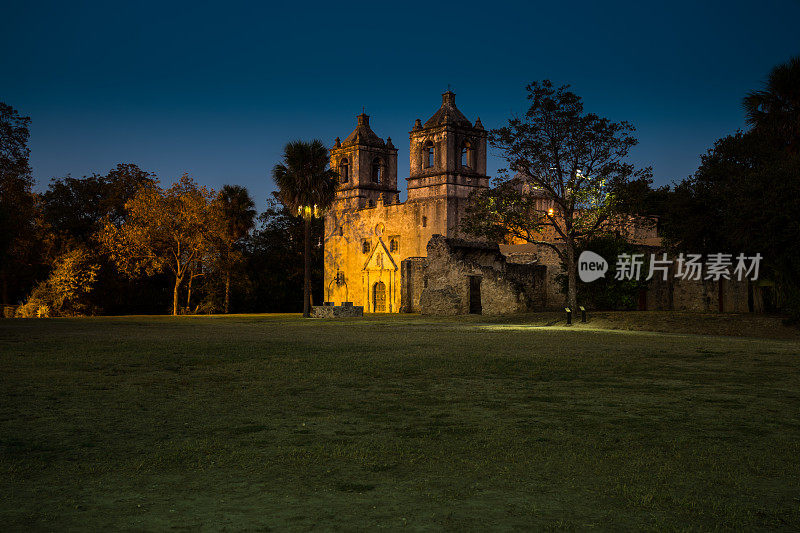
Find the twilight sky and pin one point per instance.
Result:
(216, 89)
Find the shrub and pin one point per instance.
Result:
(65, 292)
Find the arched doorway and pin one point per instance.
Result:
(379, 297)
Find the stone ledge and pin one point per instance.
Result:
(337, 311)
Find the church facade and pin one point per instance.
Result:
(369, 232)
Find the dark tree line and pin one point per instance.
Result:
(745, 195)
(17, 204)
(743, 198)
(57, 247)
(87, 245)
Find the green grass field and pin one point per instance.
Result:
(273, 422)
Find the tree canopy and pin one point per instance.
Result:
(774, 110)
(564, 166)
(164, 229)
(17, 201)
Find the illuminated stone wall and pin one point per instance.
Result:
(359, 252)
(505, 287)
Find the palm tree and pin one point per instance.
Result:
(238, 218)
(307, 187)
(775, 110)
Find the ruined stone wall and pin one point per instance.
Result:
(504, 288)
(556, 298)
(690, 295)
(551, 297)
(338, 311)
(412, 279)
(531, 277)
(700, 295)
(735, 296)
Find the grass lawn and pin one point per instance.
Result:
(274, 422)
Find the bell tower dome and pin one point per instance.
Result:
(367, 167)
(448, 154)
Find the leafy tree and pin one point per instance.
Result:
(238, 218)
(609, 292)
(572, 160)
(121, 184)
(774, 110)
(65, 292)
(163, 230)
(72, 207)
(76, 207)
(72, 213)
(17, 201)
(743, 196)
(307, 187)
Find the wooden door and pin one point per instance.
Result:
(379, 297)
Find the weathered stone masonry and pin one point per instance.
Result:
(460, 277)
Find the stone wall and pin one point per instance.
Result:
(412, 275)
(504, 287)
(552, 297)
(349, 232)
(675, 294)
(698, 295)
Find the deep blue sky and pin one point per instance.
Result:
(216, 89)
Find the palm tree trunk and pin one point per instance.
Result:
(307, 275)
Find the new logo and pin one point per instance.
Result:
(591, 266)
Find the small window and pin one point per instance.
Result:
(466, 155)
(341, 231)
(376, 170)
(424, 222)
(344, 170)
(365, 246)
(394, 245)
(429, 154)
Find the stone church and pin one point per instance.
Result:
(369, 233)
(389, 256)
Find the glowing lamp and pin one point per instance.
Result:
(307, 211)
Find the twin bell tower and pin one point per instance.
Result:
(447, 159)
